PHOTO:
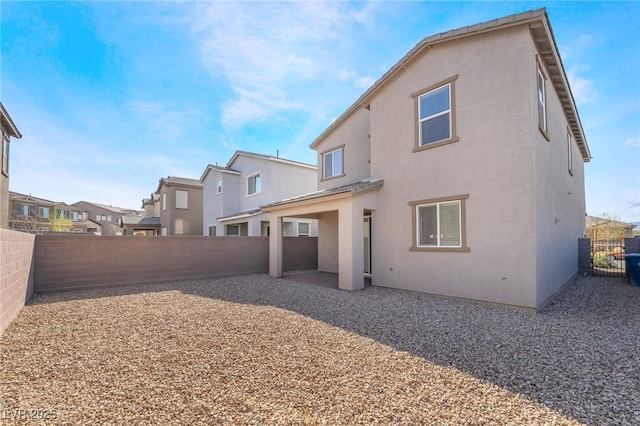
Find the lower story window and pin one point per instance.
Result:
(212, 230)
(303, 229)
(438, 224)
(233, 230)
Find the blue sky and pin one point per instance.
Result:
(112, 96)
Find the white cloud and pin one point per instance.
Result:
(364, 82)
(632, 142)
(269, 51)
(162, 120)
(581, 88)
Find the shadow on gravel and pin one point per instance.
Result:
(580, 356)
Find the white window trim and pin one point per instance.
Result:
(164, 201)
(569, 152)
(541, 100)
(324, 159)
(218, 186)
(6, 147)
(253, 175)
(308, 234)
(226, 230)
(186, 199)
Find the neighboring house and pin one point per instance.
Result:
(108, 217)
(149, 224)
(233, 194)
(460, 172)
(37, 215)
(180, 206)
(9, 130)
(602, 228)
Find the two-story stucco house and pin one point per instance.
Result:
(38, 215)
(234, 193)
(180, 202)
(107, 216)
(460, 171)
(9, 130)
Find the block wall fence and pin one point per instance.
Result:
(16, 273)
(52, 262)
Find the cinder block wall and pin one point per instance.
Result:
(64, 261)
(71, 261)
(299, 253)
(16, 273)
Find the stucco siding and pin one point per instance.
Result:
(491, 163)
(354, 135)
(212, 202)
(328, 242)
(560, 198)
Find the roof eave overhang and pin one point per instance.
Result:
(8, 123)
(548, 53)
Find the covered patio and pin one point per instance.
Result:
(340, 213)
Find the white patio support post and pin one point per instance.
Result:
(350, 247)
(275, 245)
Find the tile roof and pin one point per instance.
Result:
(268, 157)
(143, 221)
(244, 213)
(175, 180)
(119, 210)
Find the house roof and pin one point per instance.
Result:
(118, 210)
(269, 157)
(594, 222)
(8, 123)
(16, 196)
(362, 186)
(179, 181)
(218, 168)
(542, 35)
(239, 215)
(142, 221)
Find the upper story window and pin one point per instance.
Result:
(219, 186)
(43, 212)
(254, 185)
(5, 155)
(26, 210)
(74, 216)
(435, 115)
(542, 103)
(569, 153)
(439, 224)
(182, 199)
(164, 201)
(332, 163)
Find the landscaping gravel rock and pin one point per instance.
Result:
(260, 350)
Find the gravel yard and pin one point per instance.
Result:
(259, 350)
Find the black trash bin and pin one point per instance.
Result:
(633, 268)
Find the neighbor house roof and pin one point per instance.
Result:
(149, 221)
(240, 215)
(16, 196)
(218, 168)
(118, 210)
(270, 158)
(8, 123)
(179, 181)
(542, 34)
(594, 222)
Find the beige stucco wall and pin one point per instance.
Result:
(560, 198)
(492, 162)
(354, 135)
(328, 242)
